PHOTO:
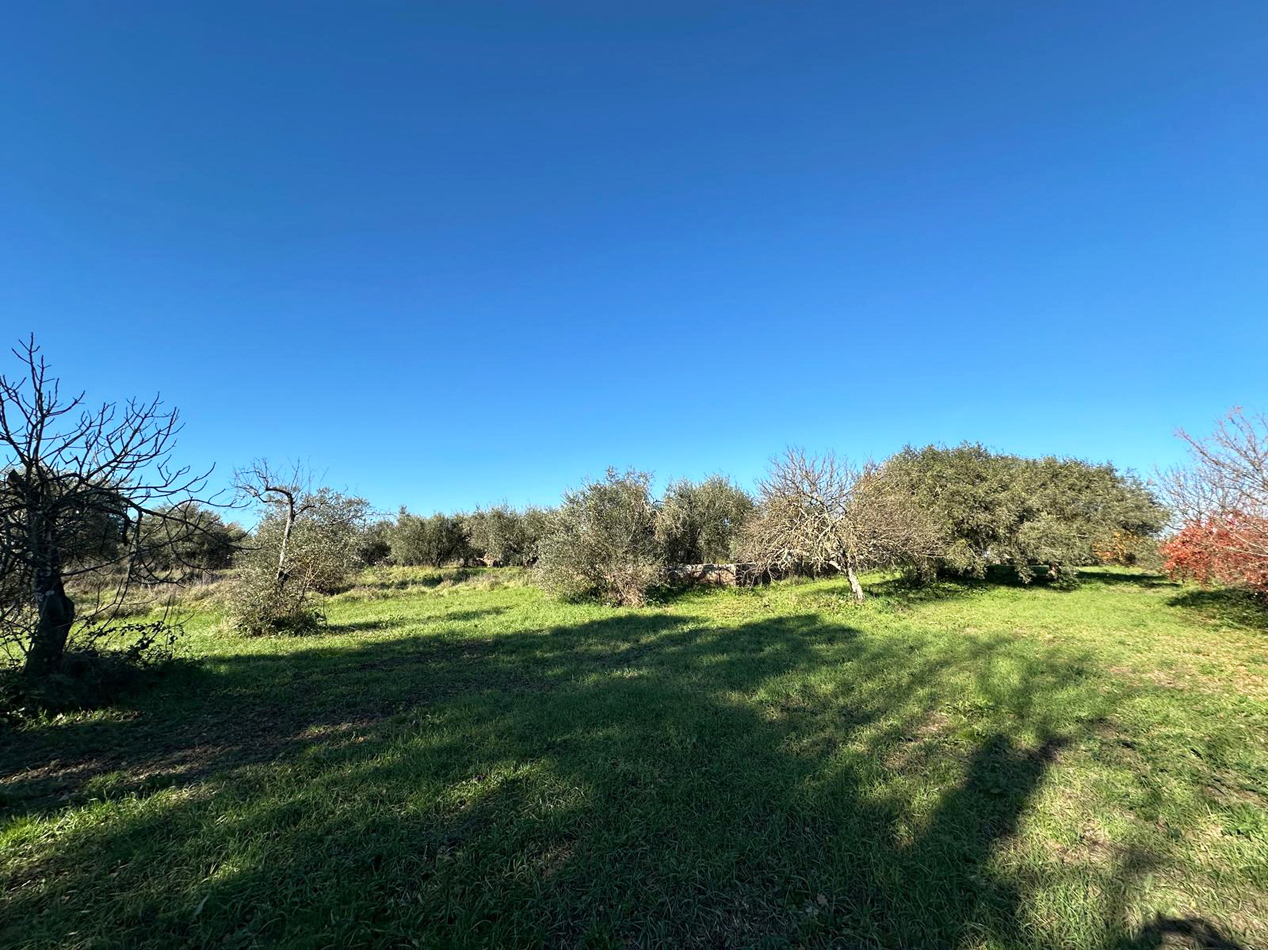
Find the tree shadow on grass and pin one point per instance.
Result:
(1139, 579)
(910, 592)
(904, 592)
(1223, 606)
(638, 779)
(1164, 931)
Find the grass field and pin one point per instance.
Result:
(461, 761)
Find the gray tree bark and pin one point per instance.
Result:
(855, 586)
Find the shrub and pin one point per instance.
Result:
(601, 541)
(258, 603)
(434, 541)
(700, 522)
(1216, 551)
(279, 575)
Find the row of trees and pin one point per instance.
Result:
(927, 511)
(497, 536)
(310, 540)
(92, 509)
(611, 538)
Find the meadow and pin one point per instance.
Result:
(459, 759)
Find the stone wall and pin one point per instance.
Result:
(717, 575)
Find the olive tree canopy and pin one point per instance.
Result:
(992, 508)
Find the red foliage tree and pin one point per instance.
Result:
(1223, 551)
(1221, 503)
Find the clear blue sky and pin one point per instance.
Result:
(458, 253)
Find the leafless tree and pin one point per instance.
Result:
(820, 514)
(285, 492)
(90, 498)
(1226, 484)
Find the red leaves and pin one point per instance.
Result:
(1229, 550)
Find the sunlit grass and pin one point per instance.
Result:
(460, 760)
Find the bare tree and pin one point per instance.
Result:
(1222, 495)
(89, 496)
(1229, 469)
(820, 514)
(285, 492)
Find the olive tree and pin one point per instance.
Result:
(91, 507)
(435, 540)
(601, 541)
(535, 521)
(375, 544)
(700, 522)
(991, 508)
(501, 535)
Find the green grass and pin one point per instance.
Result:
(461, 761)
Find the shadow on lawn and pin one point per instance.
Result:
(906, 592)
(1137, 579)
(639, 779)
(1224, 606)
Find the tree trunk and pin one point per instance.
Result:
(855, 586)
(56, 614)
(282, 574)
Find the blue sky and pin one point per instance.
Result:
(458, 253)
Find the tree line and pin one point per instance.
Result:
(93, 509)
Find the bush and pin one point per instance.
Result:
(259, 604)
(278, 578)
(1215, 551)
(601, 542)
(1221, 505)
(700, 523)
(434, 541)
